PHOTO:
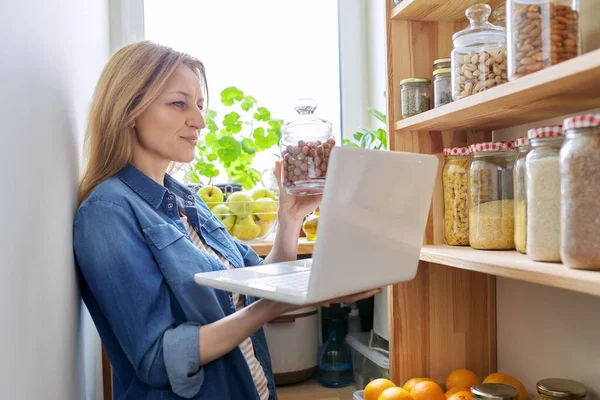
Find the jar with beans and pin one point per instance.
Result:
(541, 33)
(479, 54)
(306, 145)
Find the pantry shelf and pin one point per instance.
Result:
(511, 264)
(436, 10)
(569, 87)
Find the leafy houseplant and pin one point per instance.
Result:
(232, 142)
(375, 139)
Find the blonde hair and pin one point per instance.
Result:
(133, 78)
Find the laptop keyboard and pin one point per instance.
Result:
(297, 281)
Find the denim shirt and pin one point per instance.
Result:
(136, 266)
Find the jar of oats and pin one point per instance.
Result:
(520, 191)
(491, 196)
(543, 194)
(580, 186)
(455, 181)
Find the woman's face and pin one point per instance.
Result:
(168, 129)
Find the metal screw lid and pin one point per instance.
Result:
(561, 388)
(494, 391)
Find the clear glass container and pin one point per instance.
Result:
(560, 389)
(491, 198)
(520, 191)
(455, 180)
(442, 86)
(499, 15)
(543, 194)
(494, 391)
(415, 96)
(580, 186)
(442, 63)
(541, 33)
(311, 224)
(335, 359)
(479, 54)
(306, 145)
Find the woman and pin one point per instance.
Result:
(139, 237)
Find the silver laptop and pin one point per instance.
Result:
(373, 216)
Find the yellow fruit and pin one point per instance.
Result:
(395, 393)
(374, 388)
(499, 377)
(461, 378)
(411, 383)
(454, 390)
(462, 395)
(427, 390)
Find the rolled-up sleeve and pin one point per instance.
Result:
(131, 292)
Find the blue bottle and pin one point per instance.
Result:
(335, 360)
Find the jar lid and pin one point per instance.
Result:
(491, 146)
(480, 30)
(456, 151)
(581, 121)
(523, 141)
(310, 125)
(442, 71)
(494, 391)
(415, 80)
(554, 387)
(442, 60)
(545, 132)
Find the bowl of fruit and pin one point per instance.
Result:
(247, 216)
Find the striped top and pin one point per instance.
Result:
(247, 348)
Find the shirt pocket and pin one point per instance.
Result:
(219, 239)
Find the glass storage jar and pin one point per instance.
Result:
(311, 224)
(479, 54)
(415, 96)
(543, 194)
(494, 391)
(306, 145)
(442, 87)
(520, 192)
(491, 205)
(541, 33)
(560, 389)
(455, 182)
(442, 63)
(580, 186)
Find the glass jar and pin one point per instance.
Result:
(335, 359)
(310, 225)
(520, 192)
(479, 55)
(560, 389)
(415, 96)
(580, 186)
(541, 33)
(491, 205)
(494, 391)
(455, 180)
(442, 86)
(543, 194)
(306, 145)
(499, 15)
(442, 63)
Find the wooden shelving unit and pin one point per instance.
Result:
(436, 10)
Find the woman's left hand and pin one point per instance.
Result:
(294, 208)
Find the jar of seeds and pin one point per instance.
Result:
(479, 55)
(580, 188)
(415, 96)
(442, 87)
(520, 190)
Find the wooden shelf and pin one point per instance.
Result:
(312, 390)
(569, 87)
(511, 264)
(305, 247)
(437, 10)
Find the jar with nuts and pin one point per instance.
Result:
(541, 33)
(306, 145)
(479, 54)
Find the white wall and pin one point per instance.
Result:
(51, 55)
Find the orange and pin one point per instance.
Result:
(461, 378)
(462, 395)
(411, 383)
(454, 390)
(374, 388)
(395, 393)
(499, 377)
(427, 390)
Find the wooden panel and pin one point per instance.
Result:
(511, 264)
(305, 247)
(437, 10)
(312, 390)
(107, 389)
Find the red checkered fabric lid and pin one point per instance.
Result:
(581, 121)
(522, 141)
(456, 151)
(545, 132)
(491, 146)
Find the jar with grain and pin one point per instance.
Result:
(543, 194)
(455, 180)
(442, 87)
(580, 186)
(491, 198)
(415, 96)
(306, 145)
(520, 191)
(541, 33)
(560, 389)
(479, 54)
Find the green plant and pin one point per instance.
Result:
(367, 138)
(230, 144)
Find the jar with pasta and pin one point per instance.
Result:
(520, 191)
(491, 196)
(580, 186)
(455, 182)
